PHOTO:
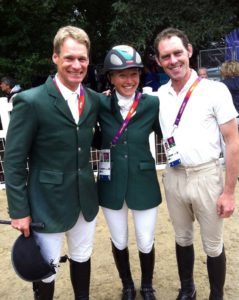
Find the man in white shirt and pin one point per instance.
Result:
(194, 113)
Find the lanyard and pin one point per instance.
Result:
(81, 100)
(81, 97)
(185, 101)
(127, 119)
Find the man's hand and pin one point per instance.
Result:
(107, 92)
(22, 225)
(226, 205)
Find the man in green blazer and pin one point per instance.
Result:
(48, 175)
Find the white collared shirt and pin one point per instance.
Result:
(125, 104)
(70, 97)
(197, 137)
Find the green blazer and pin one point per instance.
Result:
(133, 173)
(60, 182)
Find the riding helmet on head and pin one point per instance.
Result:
(28, 262)
(122, 57)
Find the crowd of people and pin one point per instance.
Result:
(52, 129)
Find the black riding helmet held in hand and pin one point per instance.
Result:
(122, 57)
(28, 262)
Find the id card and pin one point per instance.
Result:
(104, 165)
(171, 152)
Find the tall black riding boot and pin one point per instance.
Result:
(80, 279)
(43, 290)
(121, 258)
(216, 267)
(147, 261)
(185, 260)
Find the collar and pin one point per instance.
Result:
(125, 102)
(66, 93)
(190, 81)
(15, 89)
(122, 98)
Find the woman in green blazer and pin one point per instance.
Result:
(127, 173)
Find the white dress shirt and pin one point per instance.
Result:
(70, 97)
(198, 136)
(124, 104)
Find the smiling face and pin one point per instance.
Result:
(125, 81)
(174, 59)
(72, 63)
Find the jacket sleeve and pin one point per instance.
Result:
(21, 131)
(157, 129)
(156, 124)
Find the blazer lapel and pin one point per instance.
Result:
(58, 100)
(87, 107)
(115, 109)
(139, 108)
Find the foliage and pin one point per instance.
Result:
(27, 28)
(204, 21)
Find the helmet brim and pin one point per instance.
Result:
(27, 260)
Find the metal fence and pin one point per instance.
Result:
(157, 150)
(213, 58)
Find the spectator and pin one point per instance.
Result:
(202, 72)
(9, 87)
(230, 73)
(150, 76)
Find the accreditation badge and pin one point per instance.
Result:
(104, 165)
(171, 152)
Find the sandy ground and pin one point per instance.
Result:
(105, 284)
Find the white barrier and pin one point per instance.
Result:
(5, 109)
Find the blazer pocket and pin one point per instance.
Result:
(51, 177)
(147, 166)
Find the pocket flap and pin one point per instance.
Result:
(147, 166)
(51, 177)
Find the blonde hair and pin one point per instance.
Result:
(73, 32)
(230, 68)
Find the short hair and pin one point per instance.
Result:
(73, 32)
(230, 68)
(167, 34)
(9, 81)
(204, 70)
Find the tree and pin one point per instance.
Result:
(204, 21)
(28, 27)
